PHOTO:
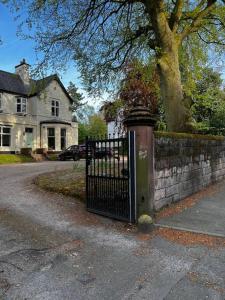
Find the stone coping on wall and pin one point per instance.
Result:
(178, 135)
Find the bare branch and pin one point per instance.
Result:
(210, 42)
(128, 45)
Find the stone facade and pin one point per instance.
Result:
(184, 166)
(30, 129)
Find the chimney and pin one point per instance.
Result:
(23, 71)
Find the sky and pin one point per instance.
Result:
(14, 49)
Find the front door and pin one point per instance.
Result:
(29, 137)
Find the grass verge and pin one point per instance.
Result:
(52, 157)
(14, 158)
(67, 182)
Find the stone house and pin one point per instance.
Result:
(34, 113)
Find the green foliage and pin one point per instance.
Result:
(208, 102)
(95, 127)
(160, 124)
(82, 132)
(52, 157)
(140, 85)
(175, 135)
(81, 109)
(76, 96)
(217, 119)
(193, 58)
(203, 126)
(111, 109)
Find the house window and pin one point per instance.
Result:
(55, 108)
(5, 136)
(63, 138)
(21, 105)
(51, 138)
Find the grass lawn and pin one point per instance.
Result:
(52, 157)
(67, 182)
(14, 158)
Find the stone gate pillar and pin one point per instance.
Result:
(141, 121)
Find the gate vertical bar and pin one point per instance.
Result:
(132, 175)
(87, 163)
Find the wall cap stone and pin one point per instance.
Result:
(177, 135)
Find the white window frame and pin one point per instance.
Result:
(52, 137)
(3, 134)
(23, 105)
(55, 108)
(63, 137)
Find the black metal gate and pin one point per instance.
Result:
(110, 177)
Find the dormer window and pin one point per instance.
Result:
(21, 106)
(55, 108)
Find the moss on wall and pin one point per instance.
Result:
(175, 135)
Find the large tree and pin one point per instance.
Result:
(101, 35)
(79, 107)
(76, 96)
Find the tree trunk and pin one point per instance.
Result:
(176, 112)
(168, 42)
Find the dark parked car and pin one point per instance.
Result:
(74, 152)
(77, 152)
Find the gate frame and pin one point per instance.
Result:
(131, 180)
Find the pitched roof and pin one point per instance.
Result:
(37, 86)
(12, 83)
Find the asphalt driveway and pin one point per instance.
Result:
(51, 248)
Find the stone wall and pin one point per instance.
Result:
(185, 164)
